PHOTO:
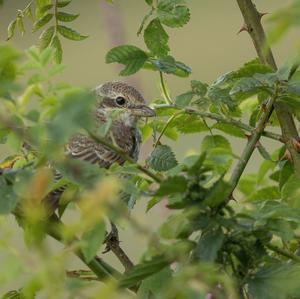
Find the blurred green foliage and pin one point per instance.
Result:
(206, 247)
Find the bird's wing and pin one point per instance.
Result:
(84, 148)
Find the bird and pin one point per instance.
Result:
(123, 130)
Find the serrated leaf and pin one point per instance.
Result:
(199, 88)
(143, 270)
(217, 194)
(46, 37)
(172, 13)
(63, 3)
(156, 38)
(66, 17)
(162, 158)
(229, 129)
(70, 33)
(290, 191)
(55, 43)
(209, 245)
(210, 142)
(42, 22)
(188, 124)
(277, 281)
(184, 99)
(132, 57)
(92, 240)
(175, 184)
(169, 65)
(11, 29)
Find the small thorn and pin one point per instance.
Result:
(286, 156)
(243, 28)
(296, 144)
(261, 14)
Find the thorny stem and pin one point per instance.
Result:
(253, 25)
(164, 89)
(222, 119)
(117, 150)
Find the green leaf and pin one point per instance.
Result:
(217, 193)
(162, 158)
(63, 3)
(46, 7)
(175, 184)
(156, 38)
(155, 283)
(11, 29)
(209, 245)
(277, 281)
(42, 22)
(70, 33)
(210, 142)
(8, 199)
(46, 37)
(20, 25)
(188, 124)
(92, 240)
(144, 270)
(176, 226)
(199, 88)
(290, 191)
(55, 43)
(184, 99)
(230, 130)
(169, 65)
(132, 57)
(149, 2)
(246, 86)
(286, 171)
(172, 13)
(66, 17)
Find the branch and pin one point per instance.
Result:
(122, 154)
(253, 25)
(284, 252)
(224, 120)
(97, 265)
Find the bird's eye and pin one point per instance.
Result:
(120, 101)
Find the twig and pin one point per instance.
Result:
(113, 244)
(253, 25)
(164, 89)
(82, 274)
(166, 126)
(224, 120)
(97, 265)
(283, 252)
(118, 151)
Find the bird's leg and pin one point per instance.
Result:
(113, 244)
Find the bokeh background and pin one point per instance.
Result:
(209, 44)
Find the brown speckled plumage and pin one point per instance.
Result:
(123, 130)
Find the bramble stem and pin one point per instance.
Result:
(222, 119)
(283, 252)
(253, 25)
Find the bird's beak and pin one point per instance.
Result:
(143, 111)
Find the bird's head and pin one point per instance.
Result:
(121, 96)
